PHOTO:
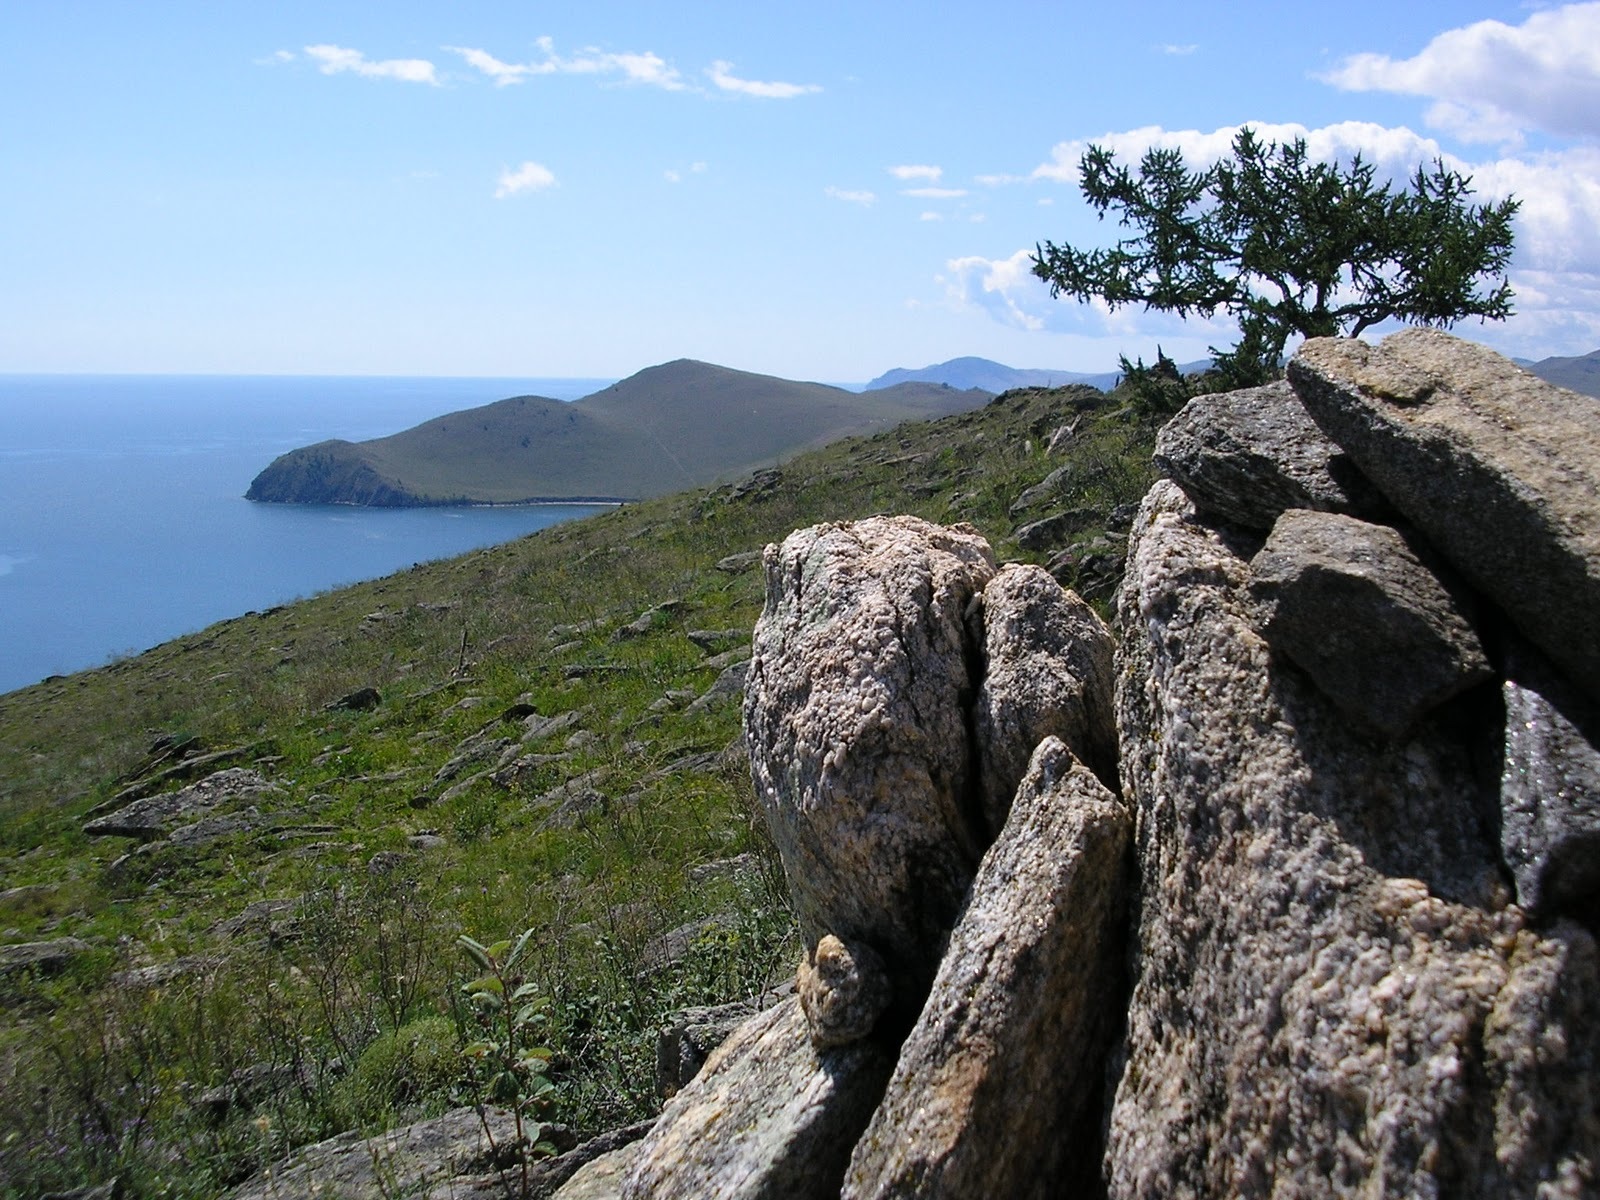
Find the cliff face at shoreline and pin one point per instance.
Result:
(1328, 929)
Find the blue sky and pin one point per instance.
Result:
(817, 191)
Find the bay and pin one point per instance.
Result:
(123, 521)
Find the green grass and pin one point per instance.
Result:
(104, 1074)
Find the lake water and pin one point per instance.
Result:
(122, 514)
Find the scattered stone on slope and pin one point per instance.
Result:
(399, 1163)
(46, 958)
(1353, 606)
(590, 1171)
(729, 658)
(1045, 489)
(856, 717)
(363, 699)
(1331, 995)
(187, 768)
(768, 1118)
(157, 816)
(1550, 790)
(997, 1089)
(690, 1037)
(728, 686)
(1246, 456)
(1049, 532)
(714, 641)
(1498, 468)
(737, 564)
(1047, 672)
(278, 919)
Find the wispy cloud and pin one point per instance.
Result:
(1175, 49)
(1491, 81)
(912, 171)
(931, 216)
(1000, 180)
(864, 199)
(721, 74)
(336, 59)
(934, 193)
(529, 177)
(642, 68)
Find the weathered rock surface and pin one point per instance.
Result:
(1550, 790)
(768, 1118)
(856, 714)
(156, 816)
(1353, 606)
(997, 1089)
(843, 991)
(1498, 468)
(46, 958)
(1247, 456)
(601, 1178)
(690, 1038)
(400, 1163)
(1331, 995)
(1047, 672)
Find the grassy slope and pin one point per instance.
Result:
(540, 620)
(682, 424)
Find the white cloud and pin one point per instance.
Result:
(1175, 49)
(721, 74)
(917, 171)
(862, 198)
(934, 193)
(1491, 81)
(647, 68)
(334, 59)
(1008, 291)
(672, 176)
(1000, 180)
(529, 177)
(931, 216)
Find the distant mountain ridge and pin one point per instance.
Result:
(996, 377)
(678, 425)
(971, 372)
(1580, 373)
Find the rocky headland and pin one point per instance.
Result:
(1285, 884)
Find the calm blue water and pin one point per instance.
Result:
(122, 517)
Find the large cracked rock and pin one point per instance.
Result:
(1498, 468)
(1353, 605)
(1332, 995)
(997, 1089)
(769, 1117)
(1047, 672)
(856, 711)
(1248, 456)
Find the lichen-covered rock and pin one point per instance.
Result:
(156, 816)
(768, 1118)
(1331, 994)
(997, 1089)
(1498, 468)
(1247, 456)
(1047, 673)
(1550, 789)
(843, 991)
(856, 710)
(689, 1038)
(1354, 607)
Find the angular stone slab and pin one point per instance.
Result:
(1310, 1014)
(1354, 607)
(768, 1118)
(1047, 672)
(996, 1089)
(156, 816)
(1500, 469)
(1247, 456)
(856, 710)
(1550, 790)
